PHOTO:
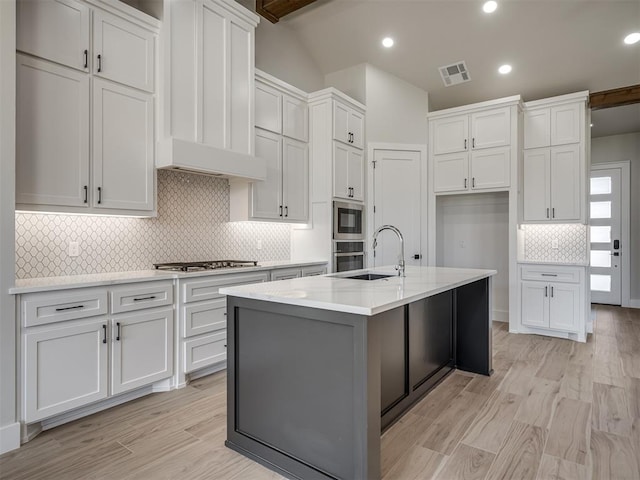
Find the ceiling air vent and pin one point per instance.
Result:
(454, 74)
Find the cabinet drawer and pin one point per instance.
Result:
(547, 273)
(285, 274)
(204, 317)
(204, 351)
(138, 297)
(206, 288)
(314, 270)
(40, 309)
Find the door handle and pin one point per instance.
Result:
(616, 244)
(615, 254)
(417, 256)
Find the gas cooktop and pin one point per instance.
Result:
(208, 265)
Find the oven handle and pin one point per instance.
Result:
(352, 254)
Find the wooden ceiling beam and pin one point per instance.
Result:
(274, 10)
(615, 98)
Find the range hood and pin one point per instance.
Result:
(189, 156)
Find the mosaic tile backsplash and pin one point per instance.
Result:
(192, 224)
(572, 243)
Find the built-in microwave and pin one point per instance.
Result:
(348, 221)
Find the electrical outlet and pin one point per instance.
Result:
(74, 249)
(258, 244)
(554, 243)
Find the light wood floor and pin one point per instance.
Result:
(554, 409)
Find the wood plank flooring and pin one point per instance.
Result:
(554, 409)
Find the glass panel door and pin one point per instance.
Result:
(604, 230)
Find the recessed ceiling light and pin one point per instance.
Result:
(504, 69)
(632, 38)
(387, 42)
(490, 6)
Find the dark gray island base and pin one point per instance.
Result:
(311, 390)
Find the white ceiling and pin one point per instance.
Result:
(615, 121)
(554, 46)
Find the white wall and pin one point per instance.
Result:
(9, 429)
(396, 110)
(617, 148)
(472, 231)
(280, 53)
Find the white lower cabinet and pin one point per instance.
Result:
(77, 352)
(65, 366)
(203, 319)
(141, 349)
(552, 298)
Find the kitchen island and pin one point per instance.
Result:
(318, 367)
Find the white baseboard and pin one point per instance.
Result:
(9, 437)
(634, 303)
(501, 316)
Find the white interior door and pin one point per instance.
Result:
(606, 247)
(397, 201)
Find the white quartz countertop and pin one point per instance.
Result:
(43, 284)
(337, 293)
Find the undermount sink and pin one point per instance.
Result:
(370, 276)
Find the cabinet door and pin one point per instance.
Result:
(268, 108)
(123, 52)
(142, 349)
(205, 350)
(491, 128)
(356, 128)
(52, 134)
(295, 118)
(450, 134)
(356, 174)
(266, 196)
(565, 182)
(491, 168)
(57, 30)
(341, 123)
(537, 128)
(565, 124)
(536, 185)
(564, 306)
(295, 173)
(535, 304)
(240, 82)
(451, 172)
(393, 358)
(122, 147)
(65, 368)
(341, 171)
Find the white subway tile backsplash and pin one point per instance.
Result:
(539, 241)
(192, 224)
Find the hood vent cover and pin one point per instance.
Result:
(454, 74)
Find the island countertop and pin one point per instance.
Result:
(337, 293)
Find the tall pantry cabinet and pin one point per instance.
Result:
(85, 107)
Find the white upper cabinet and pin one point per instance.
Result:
(555, 159)
(489, 128)
(552, 126)
(85, 135)
(451, 172)
(490, 168)
(268, 108)
(295, 180)
(348, 172)
(57, 30)
(122, 148)
(267, 195)
(295, 118)
(52, 134)
(552, 184)
(281, 108)
(123, 52)
(348, 125)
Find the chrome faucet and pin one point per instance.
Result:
(400, 266)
